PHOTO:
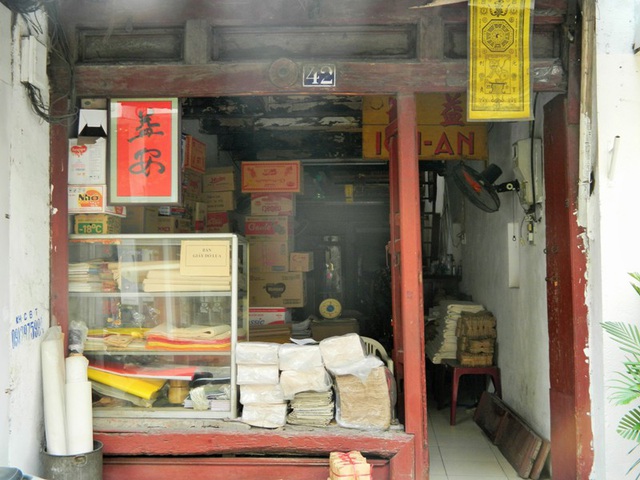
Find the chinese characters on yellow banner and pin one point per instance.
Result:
(499, 60)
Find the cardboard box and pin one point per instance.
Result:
(197, 212)
(301, 261)
(220, 201)
(140, 220)
(277, 289)
(91, 199)
(172, 211)
(269, 316)
(92, 123)
(174, 225)
(191, 183)
(268, 229)
(87, 161)
(220, 179)
(273, 204)
(218, 222)
(332, 327)
(194, 154)
(96, 223)
(271, 177)
(268, 256)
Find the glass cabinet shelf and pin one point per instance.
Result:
(159, 318)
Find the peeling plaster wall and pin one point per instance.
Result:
(521, 313)
(24, 252)
(613, 226)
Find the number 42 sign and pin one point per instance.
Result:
(319, 75)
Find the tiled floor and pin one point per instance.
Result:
(463, 451)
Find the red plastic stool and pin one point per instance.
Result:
(458, 371)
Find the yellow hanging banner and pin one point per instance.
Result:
(499, 60)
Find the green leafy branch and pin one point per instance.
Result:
(626, 388)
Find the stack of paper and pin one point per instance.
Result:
(93, 276)
(313, 409)
(174, 281)
(445, 317)
(194, 337)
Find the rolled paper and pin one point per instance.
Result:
(79, 418)
(53, 390)
(76, 368)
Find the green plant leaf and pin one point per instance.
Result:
(629, 426)
(628, 336)
(636, 277)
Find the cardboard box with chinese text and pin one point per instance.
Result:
(194, 154)
(271, 177)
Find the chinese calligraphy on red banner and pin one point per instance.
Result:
(144, 159)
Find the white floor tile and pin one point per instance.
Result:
(475, 468)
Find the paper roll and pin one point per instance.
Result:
(76, 368)
(79, 418)
(53, 390)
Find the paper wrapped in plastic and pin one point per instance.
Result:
(261, 394)
(361, 368)
(348, 466)
(364, 405)
(257, 374)
(257, 353)
(299, 357)
(315, 379)
(265, 415)
(342, 350)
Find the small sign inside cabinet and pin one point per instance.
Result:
(205, 258)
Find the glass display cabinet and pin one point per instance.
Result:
(158, 317)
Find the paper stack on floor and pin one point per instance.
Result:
(446, 315)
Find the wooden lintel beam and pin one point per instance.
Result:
(252, 78)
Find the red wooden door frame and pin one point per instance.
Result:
(406, 273)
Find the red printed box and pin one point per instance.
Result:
(272, 177)
(267, 229)
(218, 222)
(273, 204)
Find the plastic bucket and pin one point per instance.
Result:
(86, 466)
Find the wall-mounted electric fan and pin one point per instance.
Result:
(478, 187)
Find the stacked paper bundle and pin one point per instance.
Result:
(313, 409)
(445, 317)
(307, 384)
(363, 396)
(93, 276)
(192, 338)
(261, 395)
(348, 466)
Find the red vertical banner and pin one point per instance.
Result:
(144, 151)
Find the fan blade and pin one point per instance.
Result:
(472, 182)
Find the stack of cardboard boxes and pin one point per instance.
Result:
(277, 279)
(87, 179)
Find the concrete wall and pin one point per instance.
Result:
(521, 313)
(24, 252)
(611, 215)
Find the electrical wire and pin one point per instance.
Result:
(58, 46)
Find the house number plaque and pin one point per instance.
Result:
(320, 75)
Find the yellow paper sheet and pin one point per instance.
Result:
(499, 60)
(141, 387)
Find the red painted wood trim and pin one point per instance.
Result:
(59, 216)
(185, 442)
(251, 78)
(411, 273)
(240, 468)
